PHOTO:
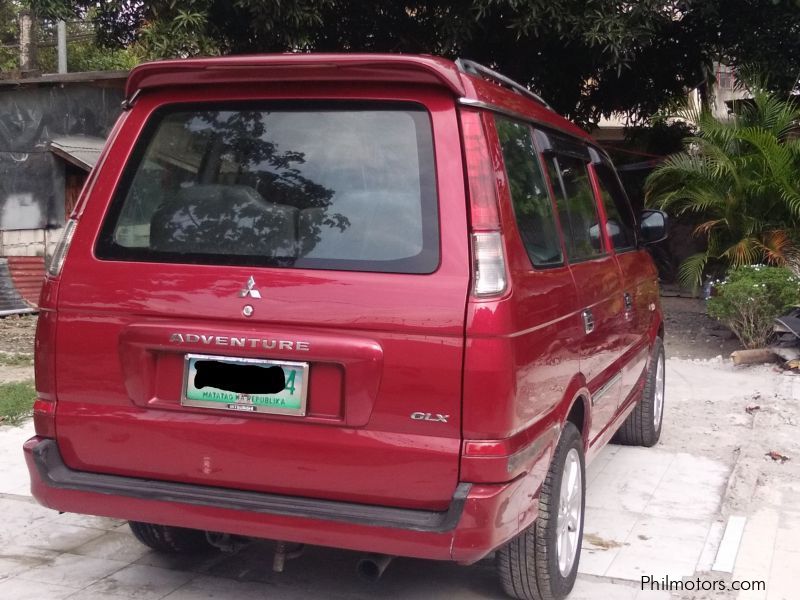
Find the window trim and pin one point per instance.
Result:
(430, 258)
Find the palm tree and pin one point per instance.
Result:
(742, 179)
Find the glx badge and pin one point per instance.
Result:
(423, 416)
(250, 290)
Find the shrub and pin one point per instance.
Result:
(749, 299)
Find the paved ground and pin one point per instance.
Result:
(658, 511)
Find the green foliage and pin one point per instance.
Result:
(750, 298)
(11, 359)
(8, 35)
(587, 57)
(83, 54)
(16, 401)
(740, 178)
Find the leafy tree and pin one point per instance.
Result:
(740, 177)
(587, 57)
(83, 53)
(8, 35)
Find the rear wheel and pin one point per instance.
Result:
(171, 540)
(643, 425)
(542, 562)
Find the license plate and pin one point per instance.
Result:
(245, 384)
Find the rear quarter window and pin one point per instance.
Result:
(348, 186)
(533, 209)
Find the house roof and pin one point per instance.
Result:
(79, 150)
(115, 78)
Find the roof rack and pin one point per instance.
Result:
(470, 66)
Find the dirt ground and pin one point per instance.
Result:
(16, 338)
(16, 334)
(691, 333)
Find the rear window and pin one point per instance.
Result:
(305, 185)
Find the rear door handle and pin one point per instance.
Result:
(588, 320)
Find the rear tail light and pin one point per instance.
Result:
(488, 264)
(44, 409)
(57, 262)
(488, 254)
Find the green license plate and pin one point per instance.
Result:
(245, 384)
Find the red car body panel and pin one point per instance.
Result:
(506, 372)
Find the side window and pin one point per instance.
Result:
(576, 206)
(620, 224)
(532, 206)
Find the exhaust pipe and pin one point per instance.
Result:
(371, 567)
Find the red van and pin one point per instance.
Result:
(385, 303)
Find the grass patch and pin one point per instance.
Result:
(15, 359)
(16, 401)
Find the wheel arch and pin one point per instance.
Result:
(576, 408)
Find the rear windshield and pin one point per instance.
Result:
(306, 185)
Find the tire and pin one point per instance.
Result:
(171, 540)
(529, 565)
(643, 425)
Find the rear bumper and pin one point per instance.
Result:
(479, 519)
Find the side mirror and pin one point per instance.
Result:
(653, 227)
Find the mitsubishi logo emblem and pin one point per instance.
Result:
(250, 290)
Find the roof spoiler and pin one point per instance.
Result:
(293, 67)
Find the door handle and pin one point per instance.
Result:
(588, 320)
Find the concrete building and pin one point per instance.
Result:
(52, 129)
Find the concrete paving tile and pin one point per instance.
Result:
(215, 588)
(73, 571)
(53, 536)
(758, 545)
(596, 561)
(685, 503)
(708, 556)
(633, 562)
(607, 524)
(85, 594)
(592, 589)
(23, 589)
(15, 508)
(115, 545)
(630, 480)
(19, 516)
(89, 521)
(690, 530)
(15, 560)
(787, 536)
(600, 462)
(692, 488)
(782, 582)
(753, 594)
(629, 492)
(13, 472)
(198, 563)
(652, 595)
(141, 582)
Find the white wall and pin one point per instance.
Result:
(29, 242)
